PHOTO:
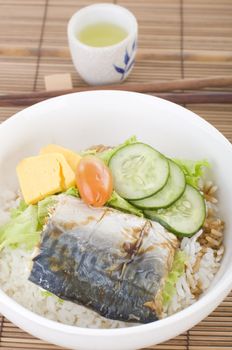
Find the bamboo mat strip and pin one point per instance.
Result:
(18, 50)
(40, 43)
(33, 44)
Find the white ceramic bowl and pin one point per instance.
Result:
(109, 117)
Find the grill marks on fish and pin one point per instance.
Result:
(113, 263)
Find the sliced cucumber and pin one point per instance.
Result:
(185, 217)
(173, 189)
(138, 171)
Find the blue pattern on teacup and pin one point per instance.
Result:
(128, 61)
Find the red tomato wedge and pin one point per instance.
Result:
(94, 181)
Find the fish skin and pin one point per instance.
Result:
(104, 259)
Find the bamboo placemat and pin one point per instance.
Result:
(178, 39)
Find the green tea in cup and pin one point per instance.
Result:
(102, 34)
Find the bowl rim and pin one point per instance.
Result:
(213, 297)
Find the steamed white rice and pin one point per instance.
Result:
(209, 265)
(14, 271)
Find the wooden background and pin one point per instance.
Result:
(177, 39)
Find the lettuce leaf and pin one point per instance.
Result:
(120, 203)
(193, 170)
(19, 210)
(21, 229)
(26, 223)
(176, 272)
(43, 209)
(72, 191)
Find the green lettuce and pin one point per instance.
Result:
(193, 170)
(22, 229)
(176, 272)
(43, 209)
(72, 191)
(25, 225)
(19, 210)
(120, 203)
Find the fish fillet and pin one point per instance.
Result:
(112, 262)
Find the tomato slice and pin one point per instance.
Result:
(94, 181)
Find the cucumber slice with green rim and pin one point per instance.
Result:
(173, 189)
(185, 217)
(138, 171)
